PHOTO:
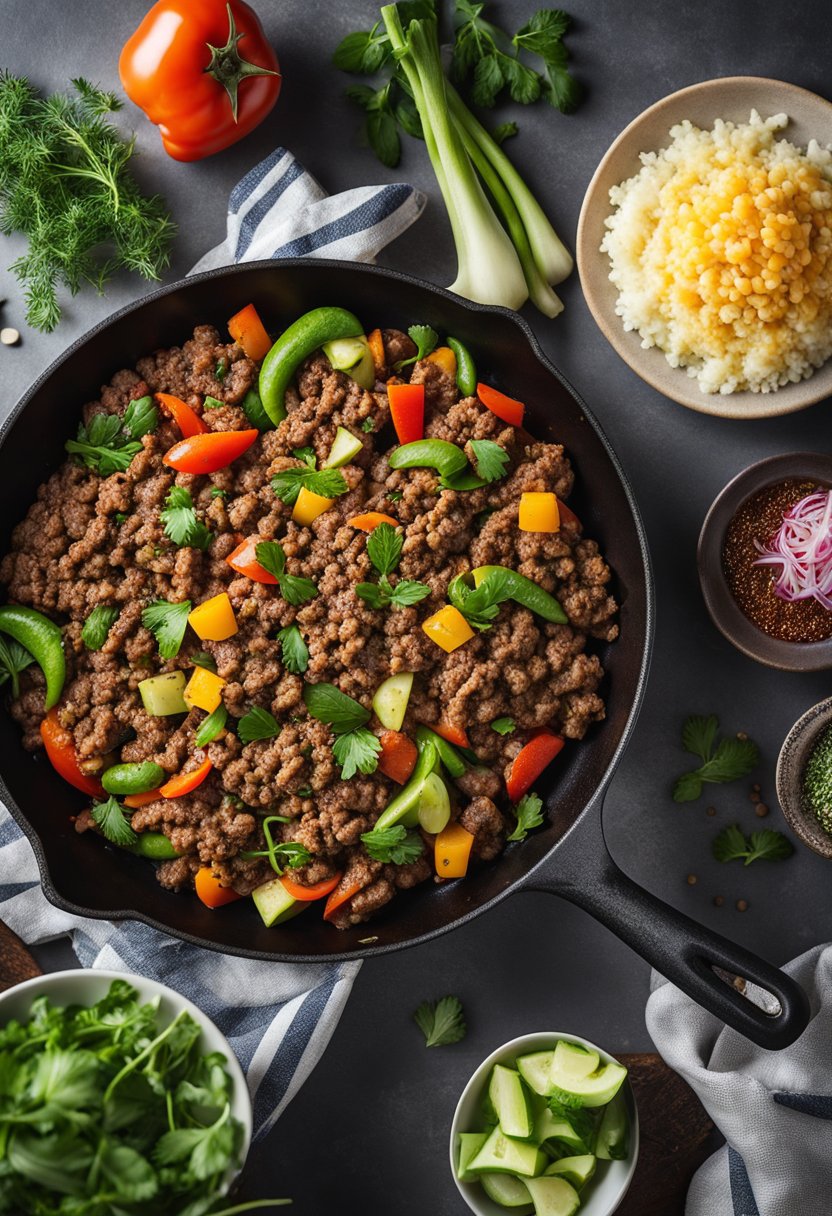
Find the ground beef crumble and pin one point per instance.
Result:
(89, 540)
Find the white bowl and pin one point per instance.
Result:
(85, 987)
(604, 1192)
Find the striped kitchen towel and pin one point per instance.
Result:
(278, 1017)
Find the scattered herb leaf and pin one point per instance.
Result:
(394, 844)
(97, 625)
(181, 523)
(529, 812)
(113, 822)
(257, 724)
(329, 483)
(728, 760)
(442, 1021)
(294, 650)
(167, 622)
(294, 588)
(768, 845)
(504, 726)
(201, 658)
(425, 338)
(14, 658)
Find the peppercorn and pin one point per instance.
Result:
(692, 880)
(742, 904)
(719, 900)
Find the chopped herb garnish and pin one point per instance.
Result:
(14, 658)
(97, 625)
(211, 727)
(294, 650)
(113, 822)
(441, 1022)
(504, 726)
(394, 844)
(425, 339)
(490, 460)
(221, 370)
(384, 548)
(212, 403)
(395, 495)
(329, 483)
(481, 605)
(306, 456)
(120, 517)
(167, 622)
(529, 812)
(368, 426)
(181, 522)
(295, 589)
(728, 760)
(290, 853)
(732, 845)
(257, 724)
(356, 751)
(304, 791)
(216, 492)
(110, 442)
(201, 658)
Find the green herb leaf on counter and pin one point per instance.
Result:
(357, 751)
(110, 442)
(722, 762)
(294, 650)
(329, 483)
(14, 658)
(181, 523)
(504, 726)
(211, 727)
(768, 845)
(363, 52)
(97, 625)
(113, 822)
(504, 131)
(442, 1021)
(380, 125)
(201, 658)
(395, 845)
(257, 724)
(426, 339)
(294, 588)
(167, 622)
(529, 812)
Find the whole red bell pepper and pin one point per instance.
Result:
(185, 67)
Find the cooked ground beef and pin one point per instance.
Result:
(91, 540)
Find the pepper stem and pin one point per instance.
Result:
(228, 67)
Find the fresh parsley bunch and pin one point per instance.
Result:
(384, 549)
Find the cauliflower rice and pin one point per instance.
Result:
(721, 250)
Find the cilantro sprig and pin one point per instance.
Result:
(294, 588)
(355, 749)
(529, 814)
(490, 463)
(394, 844)
(113, 822)
(281, 855)
(110, 442)
(425, 338)
(442, 1021)
(287, 484)
(167, 622)
(722, 762)
(257, 724)
(384, 549)
(480, 605)
(294, 650)
(181, 523)
(732, 845)
(97, 626)
(14, 658)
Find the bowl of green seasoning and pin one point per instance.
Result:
(804, 778)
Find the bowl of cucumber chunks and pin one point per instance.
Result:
(547, 1126)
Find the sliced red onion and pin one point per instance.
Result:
(803, 550)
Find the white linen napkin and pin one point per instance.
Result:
(773, 1107)
(278, 1017)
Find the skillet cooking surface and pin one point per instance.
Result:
(90, 878)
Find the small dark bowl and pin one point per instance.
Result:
(791, 764)
(724, 610)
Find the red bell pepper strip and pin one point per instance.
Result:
(188, 422)
(60, 749)
(453, 734)
(407, 409)
(317, 891)
(398, 756)
(371, 519)
(208, 889)
(209, 452)
(245, 562)
(530, 762)
(504, 407)
(248, 331)
(340, 896)
(568, 516)
(186, 783)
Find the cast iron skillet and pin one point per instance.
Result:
(569, 856)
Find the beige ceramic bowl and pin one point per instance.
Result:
(730, 98)
(791, 764)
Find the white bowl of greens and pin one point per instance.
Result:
(546, 1126)
(146, 1100)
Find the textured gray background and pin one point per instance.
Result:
(368, 1132)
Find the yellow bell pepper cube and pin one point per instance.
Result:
(448, 628)
(445, 357)
(452, 851)
(214, 620)
(204, 690)
(539, 513)
(309, 506)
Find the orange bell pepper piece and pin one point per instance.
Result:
(208, 889)
(317, 891)
(248, 331)
(407, 409)
(448, 628)
(204, 690)
(213, 620)
(60, 749)
(504, 407)
(134, 801)
(453, 734)
(308, 506)
(186, 783)
(445, 358)
(452, 851)
(530, 762)
(243, 559)
(372, 519)
(376, 344)
(185, 418)
(340, 896)
(398, 756)
(209, 452)
(538, 513)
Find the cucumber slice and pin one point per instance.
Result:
(275, 904)
(434, 810)
(507, 1190)
(553, 1196)
(345, 446)
(502, 1155)
(597, 1089)
(612, 1141)
(511, 1102)
(573, 1061)
(163, 695)
(390, 701)
(536, 1071)
(549, 1127)
(354, 357)
(404, 807)
(470, 1144)
(576, 1170)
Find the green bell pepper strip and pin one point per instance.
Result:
(404, 807)
(155, 846)
(448, 754)
(43, 639)
(437, 454)
(466, 371)
(518, 588)
(136, 778)
(294, 345)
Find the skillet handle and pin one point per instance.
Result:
(680, 949)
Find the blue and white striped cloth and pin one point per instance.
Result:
(278, 1017)
(773, 1107)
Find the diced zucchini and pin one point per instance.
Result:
(275, 904)
(434, 810)
(612, 1141)
(353, 356)
(573, 1062)
(536, 1070)
(511, 1102)
(470, 1144)
(553, 1196)
(390, 701)
(345, 446)
(502, 1155)
(508, 1191)
(576, 1170)
(597, 1089)
(163, 695)
(550, 1127)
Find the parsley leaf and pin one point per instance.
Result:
(14, 658)
(728, 760)
(211, 727)
(529, 812)
(543, 36)
(111, 818)
(201, 658)
(442, 1021)
(425, 338)
(294, 650)
(368, 426)
(167, 622)
(295, 589)
(731, 845)
(381, 124)
(504, 131)
(140, 418)
(180, 521)
(97, 625)
(257, 724)
(307, 456)
(490, 459)
(384, 548)
(356, 751)
(394, 844)
(329, 483)
(504, 726)
(395, 495)
(103, 446)
(481, 605)
(328, 704)
(221, 370)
